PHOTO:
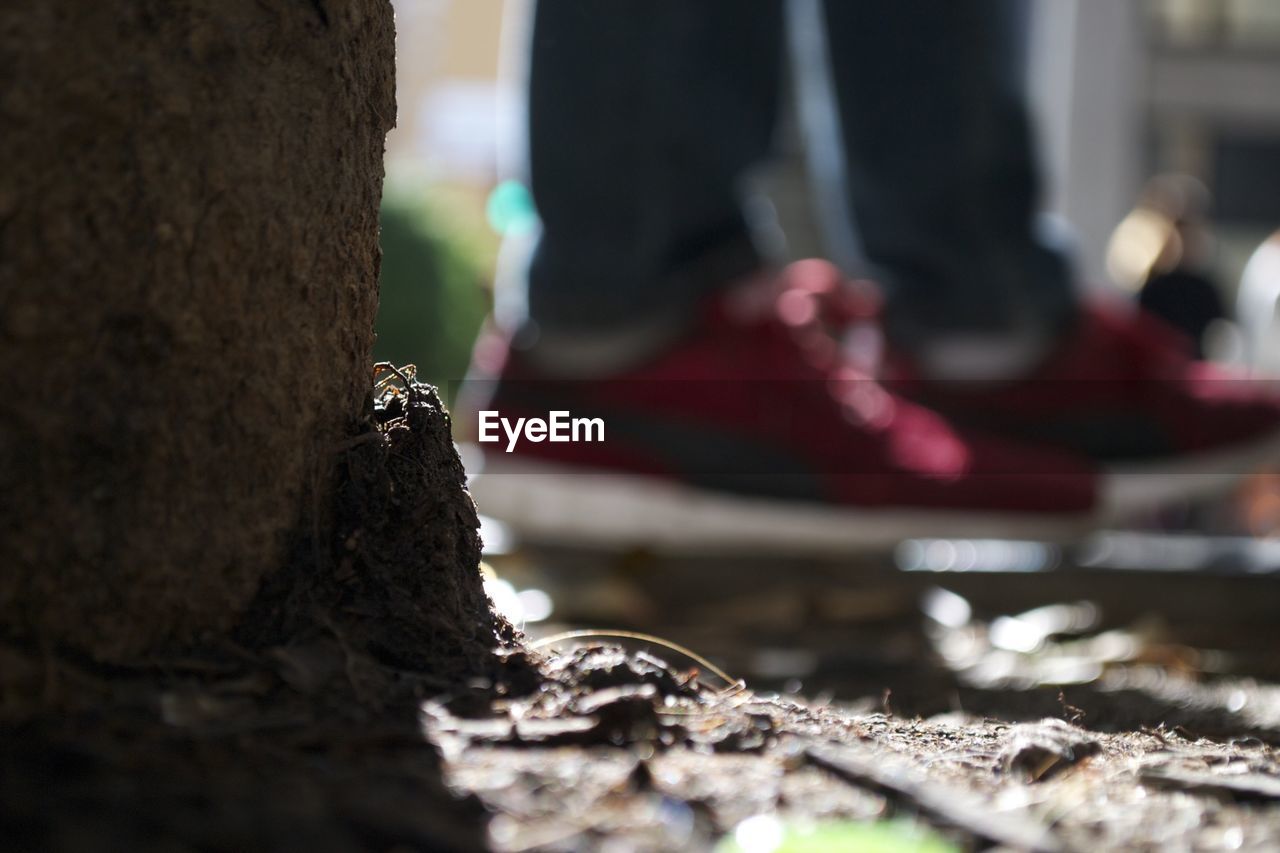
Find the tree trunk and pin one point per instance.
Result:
(189, 262)
(228, 578)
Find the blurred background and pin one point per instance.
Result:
(1123, 92)
(1159, 131)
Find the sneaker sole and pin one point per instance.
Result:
(1131, 490)
(558, 505)
(553, 504)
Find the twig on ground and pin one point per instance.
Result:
(944, 803)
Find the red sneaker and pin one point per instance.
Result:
(1123, 389)
(753, 432)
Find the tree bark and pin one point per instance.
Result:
(188, 274)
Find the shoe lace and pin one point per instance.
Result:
(833, 320)
(832, 317)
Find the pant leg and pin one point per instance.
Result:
(643, 117)
(943, 181)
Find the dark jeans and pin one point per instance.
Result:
(644, 115)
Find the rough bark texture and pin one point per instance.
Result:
(188, 266)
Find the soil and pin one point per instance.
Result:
(658, 761)
(971, 704)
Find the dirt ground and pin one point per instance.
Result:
(1087, 708)
(625, 753)
(1087, 738)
